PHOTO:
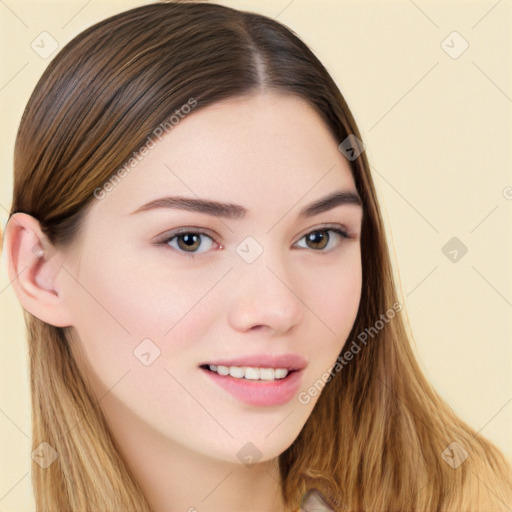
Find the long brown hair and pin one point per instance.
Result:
(376, 436)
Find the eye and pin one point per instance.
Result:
(321, 239)
(189, 242)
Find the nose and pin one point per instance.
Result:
(265, 297)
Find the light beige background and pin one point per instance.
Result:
(438, 135)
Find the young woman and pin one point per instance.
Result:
(212, 318)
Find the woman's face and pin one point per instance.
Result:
(263, 284)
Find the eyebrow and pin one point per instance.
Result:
(234, 211)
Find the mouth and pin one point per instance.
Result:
(258, 380)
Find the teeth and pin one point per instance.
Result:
(280, 373)
(221, 370)
(268, 373)
(236, 371)
(250, 373)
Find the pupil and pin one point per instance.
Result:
(188, 238)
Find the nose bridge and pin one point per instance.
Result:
(264, 295)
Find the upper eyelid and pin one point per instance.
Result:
(326, 226)
(184, 230)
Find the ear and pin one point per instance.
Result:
(33, 265)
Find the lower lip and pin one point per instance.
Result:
(259, 392)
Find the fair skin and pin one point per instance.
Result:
(179, 431)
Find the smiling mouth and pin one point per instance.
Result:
(249, 372)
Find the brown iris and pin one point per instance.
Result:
(319, 239)
(189, 242)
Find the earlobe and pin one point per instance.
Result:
(33, 265)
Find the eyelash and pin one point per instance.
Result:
(184, 231)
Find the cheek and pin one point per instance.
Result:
(334, 296)
(128, 315)
(336, 305)
(138, 298)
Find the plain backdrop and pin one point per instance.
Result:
(434, 108)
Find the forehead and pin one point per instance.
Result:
(258, 150)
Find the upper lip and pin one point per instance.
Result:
(288, 361)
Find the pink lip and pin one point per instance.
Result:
(258, 392)
(288, 361)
